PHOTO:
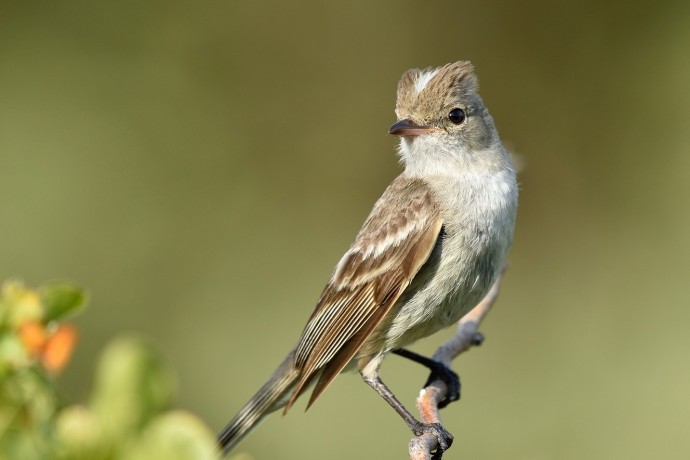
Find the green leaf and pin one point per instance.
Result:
(79, 435)
(62, 299)
(175, 435)
(132, 385)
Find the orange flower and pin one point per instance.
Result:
(58, 349)
(34, 336)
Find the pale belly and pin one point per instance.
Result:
(467, 258)
(448, 287)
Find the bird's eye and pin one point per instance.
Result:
(456, 116)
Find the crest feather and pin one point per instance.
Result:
(417, 88)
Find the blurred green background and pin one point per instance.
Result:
(201, 167)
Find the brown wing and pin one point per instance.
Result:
(395, 241)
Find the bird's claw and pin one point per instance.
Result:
(444, 438)
(450, 378)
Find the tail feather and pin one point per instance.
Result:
(271, 396)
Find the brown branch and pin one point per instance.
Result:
(466, 336)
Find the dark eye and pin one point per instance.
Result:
(456, 116)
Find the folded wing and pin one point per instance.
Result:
(394, 243)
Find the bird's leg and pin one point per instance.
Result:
(439, 371)
(445, 439)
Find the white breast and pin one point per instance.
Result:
(478, 208)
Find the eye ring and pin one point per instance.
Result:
(457, 116)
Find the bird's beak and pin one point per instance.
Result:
(408, 127)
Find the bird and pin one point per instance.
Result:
(431, 248)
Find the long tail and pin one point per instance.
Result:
(273, 395)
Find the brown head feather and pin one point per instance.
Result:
(450, 83)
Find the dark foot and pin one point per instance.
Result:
(445, 439)
(450, 378)
(439, 371)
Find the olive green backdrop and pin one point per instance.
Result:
(201, 167)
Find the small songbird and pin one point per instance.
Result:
(431, 248)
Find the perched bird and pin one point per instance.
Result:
(431, 248)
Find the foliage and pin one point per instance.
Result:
(127, 416)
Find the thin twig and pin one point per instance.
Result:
(466, 336)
